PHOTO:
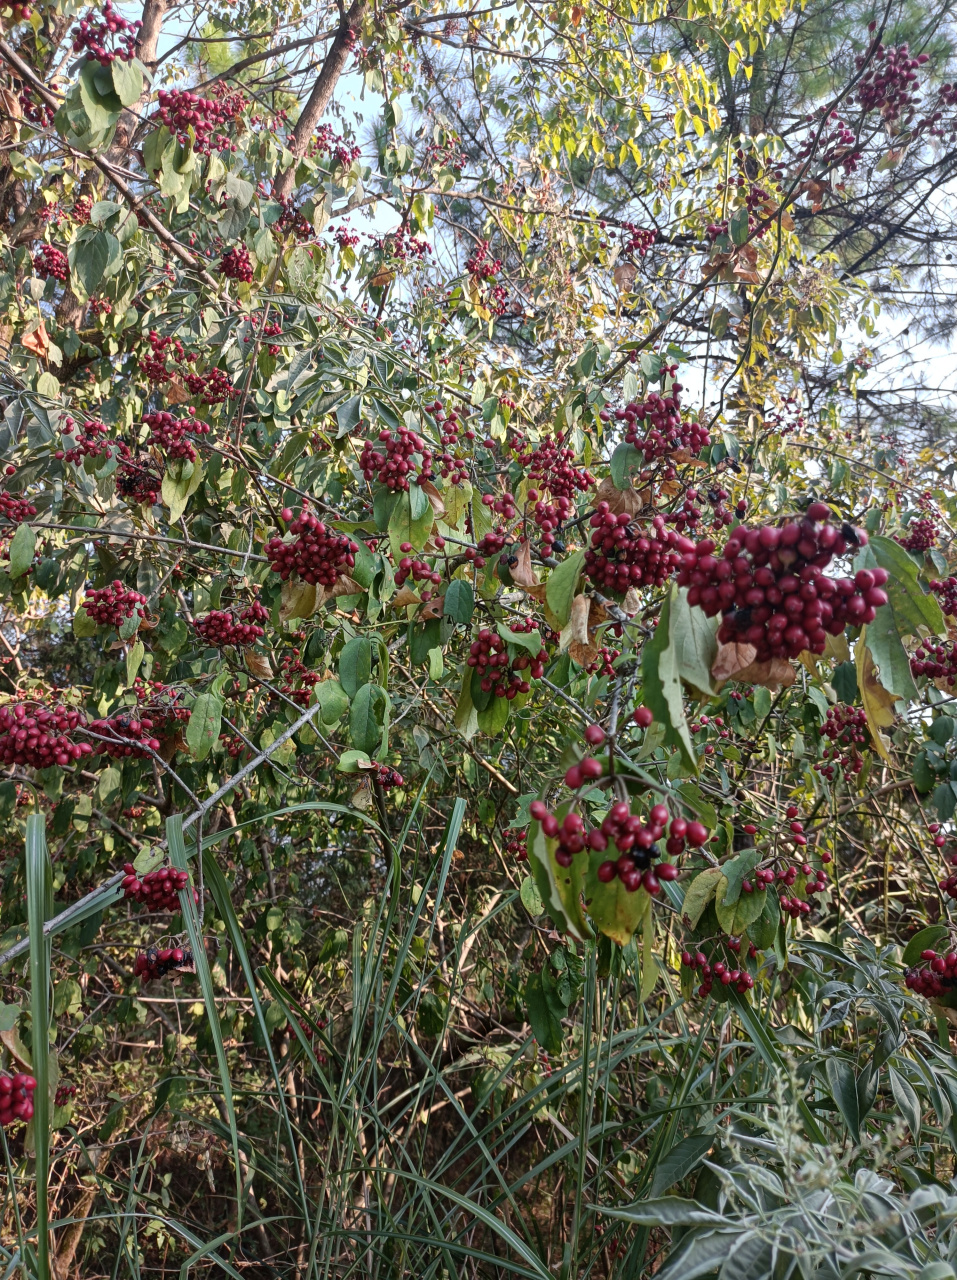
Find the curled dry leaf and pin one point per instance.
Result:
(732, 658)
(433, 608)
(624, 276)
(176, 391)
(37, 341)
(433, 495)
(361, 798)
(574, 639)
(523, 575)
(258, 664)
(382, 277)
(11, 113)
(403, 598)
(776, 673)
(628, 500)
(631, 603)
(297, 599)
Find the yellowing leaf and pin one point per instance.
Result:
(878, 703)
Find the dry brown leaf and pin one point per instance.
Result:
(776, 673)
(718, 262)
(624, 276)
(577, 14)
(37, 341)
(628, 500)
(537, 592)
(732, 658)
(361, 798)
(382, 277)
(258, 664)
(574, 639)
(523, 575)
(11, 1042)
(879, 705)
(631, 603)
(433, 608)
(297, 600)
(176, 392)
(12, 113)
(343, 586)
(404, 597)
(433, 495)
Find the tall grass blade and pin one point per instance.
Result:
(177, 853)
(39, 907)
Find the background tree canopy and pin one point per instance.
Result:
(478, 648)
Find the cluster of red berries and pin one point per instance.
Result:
(698, 962)
(273, 331)
(922, 534)
(182, 111)
(937, 661)
(945, 590)
(157, 963)
(90, 444)
(90, 37)
(158, 890)
(125, 737)
(319, 554)
(655, 427)
(344, 153)
(887, 83)
(223, 628)
(935, 977)
(138, 482)
(816, 882)
(293, 668)
(846, 727)
(82, 210)
(638, 240)
(483, 269)
(833, 142)
(623, 554)
(213, 387)
(517, 846)
(500, 673)
(236, 264)
(401, 245)
(948, 884)
(16, 509)
(771, 587)
(49, 262)
(416, 569)
(40, 736)
(16, 1098)
(111, 606)
(153, 362)
(170, 433)
(551, 469)
(451, 466)
(64, 1093)
(388, 777)
(391, 460)
(101, 307)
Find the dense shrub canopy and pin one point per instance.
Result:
(478, 643)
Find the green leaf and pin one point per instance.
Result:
(355, 664)
(411, 520)
(735, 918)
(134, 657)
(23, 544)
(531, 898)
(843, 1086)
(926, 939)
(738, 226)
(544, 1020)
(681, 1160)
(735, 871)
(368, 718)
(91, 258)
(100, 101)
(205, 722)
(179, 488)
(348, 415)
(333, 700)
(127, 81)
(700, 892)
(626, 463)
(562, 587)
(662, 685)
(350, 761)
(493, 719)
(907, 1101)
(695, 643)
(466, 715)
(530, 640)
(9, 1016)
(908, 612)
(560, 888)
(459, 601)
(844, 682)
(762, 930)
(616, 912)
